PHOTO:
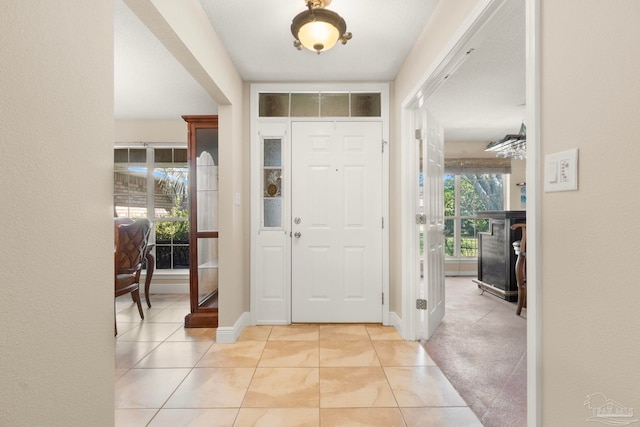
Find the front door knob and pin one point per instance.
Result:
(297, 234)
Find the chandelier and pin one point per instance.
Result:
(317, 28)
(511, 146)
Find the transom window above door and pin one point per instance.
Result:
(320, 104)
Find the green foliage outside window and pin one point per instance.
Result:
(477, 192)
(173, 231)
(173, 187)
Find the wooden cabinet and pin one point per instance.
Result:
(202, 151)
(496, 257)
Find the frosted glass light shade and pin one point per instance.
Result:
(318, 36)
(318, 29)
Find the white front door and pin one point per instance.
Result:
(337, 222)
(430, 224)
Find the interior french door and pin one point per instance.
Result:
(336, 222)
(429, 273)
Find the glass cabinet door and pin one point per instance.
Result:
(203, 236)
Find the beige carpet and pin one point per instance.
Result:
(481, 347)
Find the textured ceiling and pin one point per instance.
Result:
(483, 100)
(149, 83)
(257, 35)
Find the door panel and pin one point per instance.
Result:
(431, 232)
(337, 222)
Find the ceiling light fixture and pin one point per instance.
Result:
(317, 28)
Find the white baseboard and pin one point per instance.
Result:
(395, 321)
(230, 334)
(167, 283)
(167, 288)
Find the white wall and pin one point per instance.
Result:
(590, 82)
(151, 131)
(467, 149)
(518, 175)
(184, 29)
(56, 162)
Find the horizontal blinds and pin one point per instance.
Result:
(477, 166)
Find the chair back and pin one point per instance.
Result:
(117, 222)
(131, 244)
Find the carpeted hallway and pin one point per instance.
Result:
(481, 347)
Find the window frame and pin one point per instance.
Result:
(458, 218)
(150, 202)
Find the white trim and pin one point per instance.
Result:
(407, 219)
(279, 130)
(177, 275)
(383, 89)
(534, 217)
(167, 288)
(229, 335)
(395, 321)
(450, 58)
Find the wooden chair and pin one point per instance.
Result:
(131, 246)
(151, 260)
(521, 268)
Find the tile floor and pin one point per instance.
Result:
(275, 376)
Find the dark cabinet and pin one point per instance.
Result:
(202, 152)
(496, 257)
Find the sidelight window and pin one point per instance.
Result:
(272, 180)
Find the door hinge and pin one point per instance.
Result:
(382, 222)
(421, 304)
(421, 219)
(383, 298)
(383, 142)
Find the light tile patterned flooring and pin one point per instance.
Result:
(274, 376)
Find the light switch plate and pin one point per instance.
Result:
(561, 171)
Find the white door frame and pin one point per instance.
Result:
(256, 124)
(451, 57)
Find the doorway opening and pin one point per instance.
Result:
(451, 59)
